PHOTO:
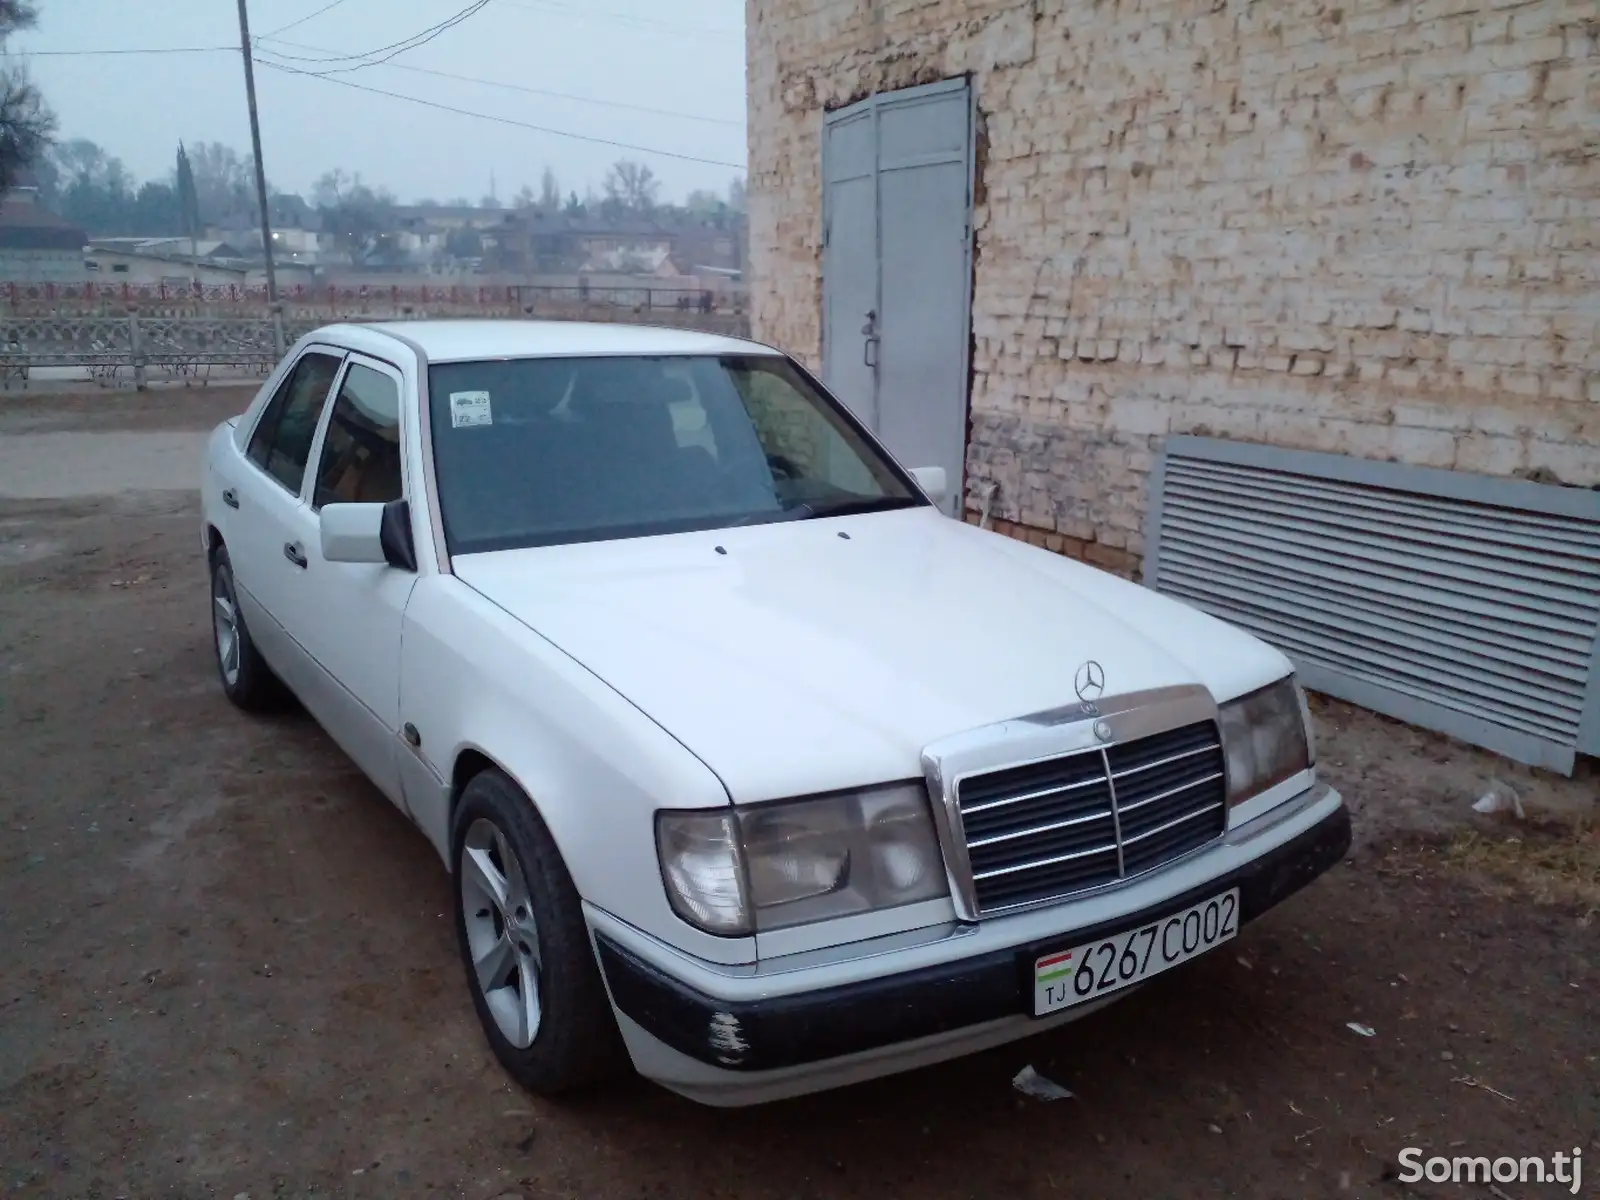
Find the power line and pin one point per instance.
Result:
(394, 48)
(421, 39)
(333, 56)
(516, 87)
(303, 20)
(466, 112)
(152, 50)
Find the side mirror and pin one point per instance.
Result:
(369, 533)
(933, 481)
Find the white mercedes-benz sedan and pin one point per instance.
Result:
(750, 766)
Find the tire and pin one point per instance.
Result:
(522, 929)
(246, 678)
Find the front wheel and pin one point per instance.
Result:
(525, 945)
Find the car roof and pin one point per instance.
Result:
(478, 338)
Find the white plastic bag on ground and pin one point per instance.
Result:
(1501, 797)
(1030, 1083)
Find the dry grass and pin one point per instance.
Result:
(1553, 864)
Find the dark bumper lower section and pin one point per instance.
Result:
(786, 1031)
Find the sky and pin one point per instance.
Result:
(670, 60)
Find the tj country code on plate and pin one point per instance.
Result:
(1084, 972)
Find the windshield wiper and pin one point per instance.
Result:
(809, 510)
(797, 512)
(842, 508)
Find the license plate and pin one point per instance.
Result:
(1074, 976)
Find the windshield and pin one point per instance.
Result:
(540, 451)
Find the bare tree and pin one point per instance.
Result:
(224, 182)
(360, 218)
(26, 124)
(702, 200)
(330, 188)
(549, 191)
(736, 194)
(82, 182)
(80, 160)
(632, 185)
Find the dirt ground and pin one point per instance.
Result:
(226, 966)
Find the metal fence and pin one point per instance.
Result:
(140, 347)
(116, 298)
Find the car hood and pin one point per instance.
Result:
(808, 656)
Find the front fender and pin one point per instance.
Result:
(474, 679)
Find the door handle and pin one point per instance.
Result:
(870, 331)
(292, 551)
(230, 497)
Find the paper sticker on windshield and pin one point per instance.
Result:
(469, 408)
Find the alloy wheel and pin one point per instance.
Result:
(502, 936)
(225, 624)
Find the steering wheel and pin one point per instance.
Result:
(786, 466)
(363, 435)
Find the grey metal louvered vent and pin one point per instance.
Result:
(1460, 603)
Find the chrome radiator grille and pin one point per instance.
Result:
(1048, 829)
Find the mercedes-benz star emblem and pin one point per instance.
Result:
(1090, 681)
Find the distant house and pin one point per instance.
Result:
(536, 242)
(290, 274)
(421, 240)
(708, 250)
(295, 245)
(632, 259)
(297, 234)
(206, 249)
(37, 246)
(448, 217)
(540, 242)
(163, 260)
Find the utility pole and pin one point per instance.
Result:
(255, 143)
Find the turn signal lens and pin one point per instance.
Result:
(701, 866)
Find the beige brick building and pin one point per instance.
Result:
(1369, 227)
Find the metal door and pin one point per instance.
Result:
(850, 259)
(897, 270)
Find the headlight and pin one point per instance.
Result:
(1266, 738)
(736, 871)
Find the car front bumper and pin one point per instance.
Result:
(728, 1036)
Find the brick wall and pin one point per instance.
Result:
(1362, 226)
